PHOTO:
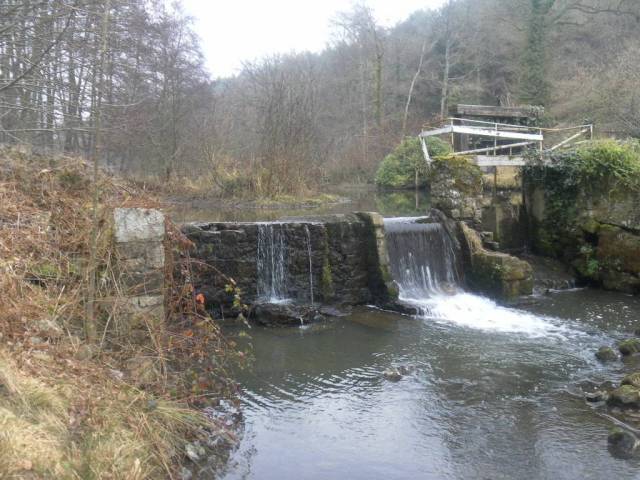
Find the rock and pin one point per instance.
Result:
(116, 374)
(142, 370)
(42, 356)
(597, 396)
(632, 379)
(392, 374)
(456, 187)
(629, 346)
(194, 451)
(622, 443)
(85, 352)
(606, 354)
(48, 328)
(138, 224)
(282, 314)
(626, 396)
(493, 273)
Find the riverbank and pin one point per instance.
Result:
(127, 404)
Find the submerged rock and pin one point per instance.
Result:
(597, 396)
(283, 314)
(606, 354)
(626, 396)
(629, 346)
(622, 443)
(632, 379)
(395, 374)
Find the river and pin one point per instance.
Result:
(491, 392)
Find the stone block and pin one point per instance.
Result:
(138, 224)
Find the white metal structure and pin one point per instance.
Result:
(521, 136)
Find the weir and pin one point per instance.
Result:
(422, 258)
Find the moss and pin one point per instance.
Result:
(629, 346)
(326, 281)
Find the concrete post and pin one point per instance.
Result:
(139, 234)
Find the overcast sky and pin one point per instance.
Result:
(233, 31)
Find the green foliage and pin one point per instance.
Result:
(607, 163)
(598, 169)
(400, 167)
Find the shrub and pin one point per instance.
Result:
(400, 167)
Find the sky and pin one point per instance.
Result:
(233, 31)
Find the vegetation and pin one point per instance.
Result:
(406, 167)
(287, 124)
(126, 405)
(600, 171)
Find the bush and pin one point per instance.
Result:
(399, 168)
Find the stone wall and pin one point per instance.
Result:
(495, 274)
(348, 259)
(139, 235)
(596, 234)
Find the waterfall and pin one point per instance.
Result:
(422, 258)
(272, 263)
(306, 229)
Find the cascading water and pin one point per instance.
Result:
(423, 263)
(422, 258)
(306, 229)
(272, 263)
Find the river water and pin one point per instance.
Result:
(486, 398)
(492, 392)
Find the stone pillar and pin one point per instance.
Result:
(381, 283)
(139, 234)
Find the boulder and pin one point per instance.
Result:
(49, 328)
(142, 370)
(597, 396)
(606, 354)
(632, 379)
(625, 396)
(282, 314)
(392, 374)
(493, 273)
(622, 443)
(629, 346)
(456, 187)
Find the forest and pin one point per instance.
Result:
(134, 71)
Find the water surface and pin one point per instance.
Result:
(493, 394)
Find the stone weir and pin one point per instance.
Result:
(328, 260)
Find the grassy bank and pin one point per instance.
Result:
(126, 406)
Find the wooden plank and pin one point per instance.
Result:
(499, 161)
(485, 132)
(524, 111)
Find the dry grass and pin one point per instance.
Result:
(64, 414)
(67, 427)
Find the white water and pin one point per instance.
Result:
(306, 229)
(272, 263)
(473, 311)
(424, 263)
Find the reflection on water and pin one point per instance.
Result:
(480, 402)
(355, 199)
